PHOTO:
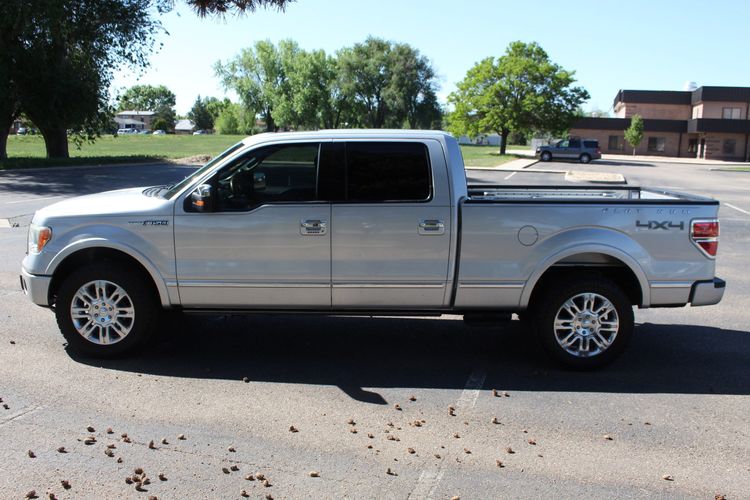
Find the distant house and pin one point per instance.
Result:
(481, 140)
(138, 120)
(184, 127)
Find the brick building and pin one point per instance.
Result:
(708, 122)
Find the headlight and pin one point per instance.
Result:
(39, 236)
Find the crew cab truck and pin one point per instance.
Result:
(367, 223)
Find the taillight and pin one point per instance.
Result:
(705, 234)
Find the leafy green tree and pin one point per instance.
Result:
(634, 133)
(256, 76)
(156, 98)
(520, 91)
(63, 55)
(200, 115)
(160, 123)
(216, 106)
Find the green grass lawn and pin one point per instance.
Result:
(486, 156)
(28, 151)
(733, 169)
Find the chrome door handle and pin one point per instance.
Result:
(431, 226)
(315, 227)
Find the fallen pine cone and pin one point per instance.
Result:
(31, 454)
(531, 441)
(411, 450)
(119, 460)
(111, 446)
(65, 484)
(51, 496)
(667, 477)
(293, 429)
(109, 453)
(353, 430)
(314, 473)
(110, 431)
(231, 449)
(607, 437)
(244, 494)
(89, 440)
(225, 470)
(90, 429)
(451, 411)
(138, 470)
(31, 494)
(509, 450)
(369, 435)
(499, 463)
(397, 406)
(164, 441)
(128, 480)
(455, 435)
(495, 393)
(181, 437)
(351, 422)
(152, 497)
(126, 439)
(162, 477)
(467, 451)
(495, 420)
(250, 477)
(62, 449)
(151, 445)
(390, 472)
(412, 398)
(266, 483)
(259, 476)
(234, 468)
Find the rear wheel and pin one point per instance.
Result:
(106, 311)
(582, 322)
(546, 156)
(585, 158)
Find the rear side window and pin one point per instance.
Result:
(387, 171)
(574, 143)
(591, 144)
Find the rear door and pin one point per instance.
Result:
(390, 230)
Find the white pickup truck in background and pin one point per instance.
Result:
(370, 222)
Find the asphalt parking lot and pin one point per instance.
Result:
(668, 420)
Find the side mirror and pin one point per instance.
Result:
(202, 198)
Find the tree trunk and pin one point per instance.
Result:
(504, 133)
(4, 131)
(56, 142)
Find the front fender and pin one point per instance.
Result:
(96, 242)
(588, 240)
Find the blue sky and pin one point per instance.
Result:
(611, 45)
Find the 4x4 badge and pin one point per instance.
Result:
(666, 225)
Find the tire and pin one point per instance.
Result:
(127, 298)
(593, 340)
(585, 158)
(546, 156)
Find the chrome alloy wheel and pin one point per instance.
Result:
(102, 312)
(586, 325)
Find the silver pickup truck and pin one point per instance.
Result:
(366, 223)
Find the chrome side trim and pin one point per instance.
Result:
(671, 284)
(388, 285)
(507, 284)
(231, 284)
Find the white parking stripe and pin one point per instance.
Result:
(430, 478)
(511, 175)
(737, 208)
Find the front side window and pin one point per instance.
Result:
(387, 171)
(284, 173)
(656, 144)
(575, 143)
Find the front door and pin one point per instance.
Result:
(266, 242)
(391, 232)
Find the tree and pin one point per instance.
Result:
(216, 106)
(257, 78)
(156, 98)
(634, 133)
(200, 115)
(63, 54)
(221, 7)
(520, 91)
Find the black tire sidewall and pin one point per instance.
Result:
(550, 301)
(138, 288)
(585, 158)
(546, 156)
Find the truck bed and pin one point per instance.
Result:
(581, 194)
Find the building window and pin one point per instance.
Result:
(656, 144)
(730, 113)
(693, 146)
(729, 146)
(616, 143)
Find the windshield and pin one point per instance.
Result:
(174, 189)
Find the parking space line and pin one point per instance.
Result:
(511, 175)
(737, 208)
(430, 478)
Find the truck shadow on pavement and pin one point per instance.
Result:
(360, 355)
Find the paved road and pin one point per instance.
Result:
(675, 404)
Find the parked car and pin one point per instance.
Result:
(583, 150)
(200, 132)
(126, 131)
(144, 132)
(159, 132)
(370, 223)
(22, 131)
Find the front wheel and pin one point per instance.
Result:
(583, 324)
(585, 158)
(105, 310)
(546, 156)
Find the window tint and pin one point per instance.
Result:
(616, 142)
(656, 144)
(283, 173)
(574, 143)
(591, 144)
(387, 171)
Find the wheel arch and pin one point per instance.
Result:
(605, 260)
(79, 254)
